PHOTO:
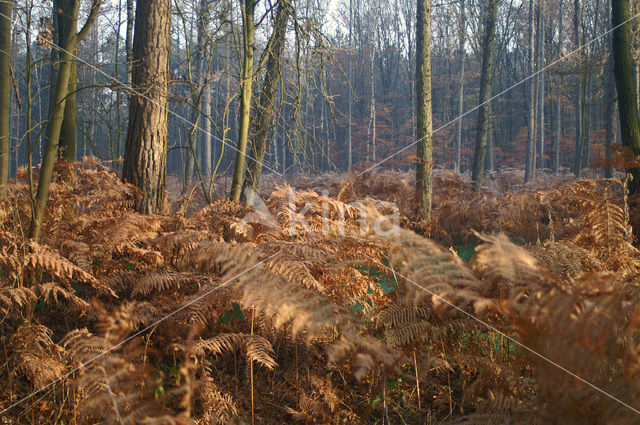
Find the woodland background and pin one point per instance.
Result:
(313, 96)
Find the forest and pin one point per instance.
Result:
(319, 212)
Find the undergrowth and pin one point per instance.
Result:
(198, 316)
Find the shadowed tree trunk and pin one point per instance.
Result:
(67, 24)
(246, 84)
(5, 92)
(623, 70)
(128, 41)
(558, 133)
(201, 99)
(490, 157)
(486, 76)
(265, 114)
(461, 54)
(146, 148)
(577, 23)
(54, 124)
(541, 41)
(350, 88)
(531, 121)
(424, 120)
(611, 117)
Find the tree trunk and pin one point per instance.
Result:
(540, 149)
(146, 148)
(490, 160)
(531, 121)
(611, 117)
(246, 83)
(577, 163)
(486, 75)
(424, 121)
(350, 88)
(5, 92)
(200, 95)
(558, 137)
(461, 54)
(66, 25)
(265, 114)
(206, 130)
(54, 123)
(586, 117)
(69, 130)
(558, 133)
(129, 39)
(372, 109)
(623, 70)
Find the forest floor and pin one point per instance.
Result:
(330, 302)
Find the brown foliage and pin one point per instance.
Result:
(134, 319)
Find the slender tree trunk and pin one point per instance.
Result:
(117, 73)
(461, 54)
(67, 24)
(586, 115)
(623, 70)
(200, 95)
(350, 88)
(69, 130)
(424, 122)
(490, 161)
(146, 149)
(246, 84)
(5, 92)
(611, 118)
(265, 114)
(372, 111)
(486, 75)
(129, 39)
(558, 133)
(54, 123)
(577, 18)
(558, 136)
(531, 122)
(206, 130)
(541, 87)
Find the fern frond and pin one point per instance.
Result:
(397, 315)
(498, 260)
(259, 350)
(407, 333)
(39, 358)
(295, 271)
(162, 281)
(219, 408)
(46, 259)
(51, 292)
(13, 299)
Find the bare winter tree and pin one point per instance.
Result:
(56, 116)
(265, 113)
(486, 75)
(5, 91)
(248, 8)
